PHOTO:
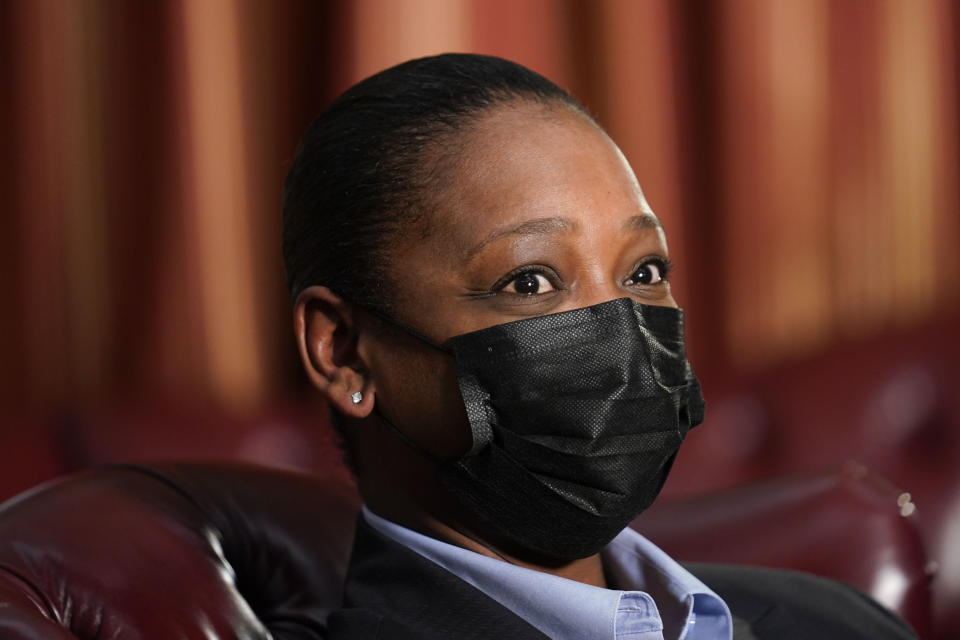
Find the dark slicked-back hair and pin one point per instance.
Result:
(366, 166)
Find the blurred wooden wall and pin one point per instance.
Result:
(803, 155)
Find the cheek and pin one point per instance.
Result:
(417, 390)
(453, 422)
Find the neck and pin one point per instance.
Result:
(587, 570)
(448, 527)
(400, 485)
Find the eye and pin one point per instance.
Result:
(528, 283)
(652, 272)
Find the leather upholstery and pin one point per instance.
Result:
(175, 552)
(233, 551)
(846, 526)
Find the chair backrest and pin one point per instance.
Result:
(211, 551)
(175, 551)
(851, 526)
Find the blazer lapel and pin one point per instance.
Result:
(774, 623)
(409, 596)
(755, 617)
(741, 630)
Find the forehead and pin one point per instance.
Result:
(529, 161)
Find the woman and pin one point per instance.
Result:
(482, 293)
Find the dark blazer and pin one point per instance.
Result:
(394, 593)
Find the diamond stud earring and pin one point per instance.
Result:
(356, 397)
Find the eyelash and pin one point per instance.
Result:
(663, 264)
(547, 273)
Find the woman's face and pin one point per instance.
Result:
(540, 214)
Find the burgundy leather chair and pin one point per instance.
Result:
(208, 551)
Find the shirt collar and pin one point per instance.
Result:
(634, 562)
(562, 608)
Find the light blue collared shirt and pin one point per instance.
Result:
(666, 602)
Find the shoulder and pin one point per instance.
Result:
(791, 604)
(362, 624)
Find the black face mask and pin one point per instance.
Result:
(576, 420)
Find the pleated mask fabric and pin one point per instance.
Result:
(576, 420)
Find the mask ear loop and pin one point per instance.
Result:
(400, 435)
(412, 332)
(405, 439)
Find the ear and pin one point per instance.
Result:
(325, 329)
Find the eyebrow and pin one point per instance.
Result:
(535, 227)
(645, 221)
(542, 226)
